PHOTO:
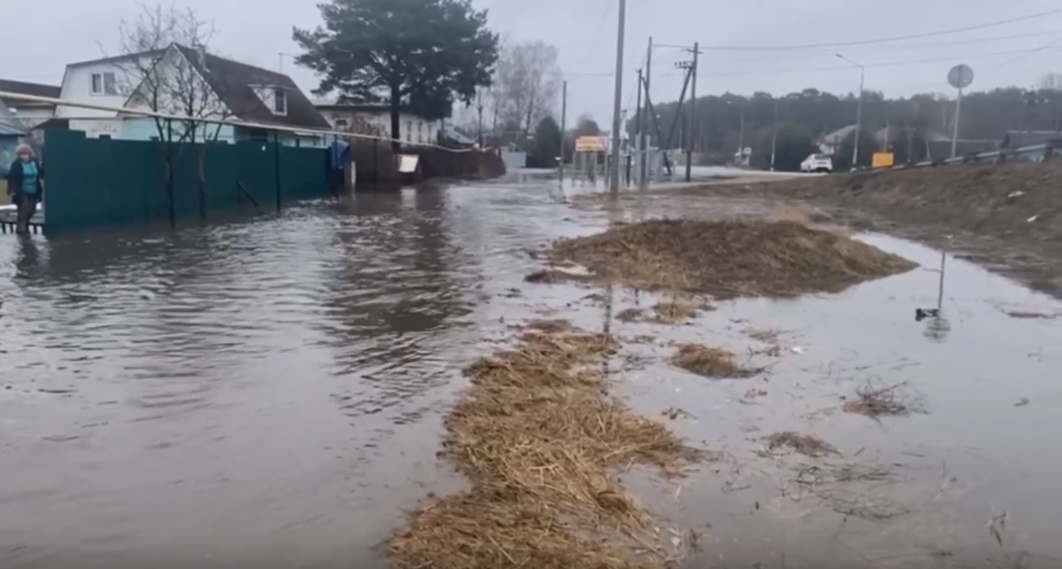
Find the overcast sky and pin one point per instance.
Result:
(50, 33)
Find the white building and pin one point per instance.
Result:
(376, 120)
(29, 113)
(186, 82)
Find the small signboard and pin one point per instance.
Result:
(591, 144)
(882, 160)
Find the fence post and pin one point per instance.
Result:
(276, 164)
(169, 173)
(375, 165)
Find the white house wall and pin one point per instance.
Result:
(424, 131)
(77, 87)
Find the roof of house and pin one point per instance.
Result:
(9, 124)
(25, 88)
(1020, 138)
(837, 136)
(234, 83)
(117, 58)
(374, 108)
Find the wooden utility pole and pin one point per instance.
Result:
(613, 187)
(691, 129)
(563, 125)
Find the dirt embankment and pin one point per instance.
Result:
(729, 258)
(1006, 217)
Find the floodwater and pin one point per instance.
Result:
(271, 391)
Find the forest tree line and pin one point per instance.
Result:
(799, 120)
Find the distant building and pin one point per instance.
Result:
(228, 90)
(375, 120)
(831, 142)
(29, 113)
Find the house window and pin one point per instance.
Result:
(341, 123)
(420, 132)
(409, 131)
(280, 102)
(104, 84)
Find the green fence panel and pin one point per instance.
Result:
(93, 182)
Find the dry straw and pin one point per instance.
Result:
(540, 443)
(728, 258)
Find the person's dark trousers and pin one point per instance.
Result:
(27, 208)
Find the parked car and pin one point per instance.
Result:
(818, 163)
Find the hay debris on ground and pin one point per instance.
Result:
(537, 440)
(765, 335)
(804, 444)
(709, 362)
(729, 258)
(630, 315)
(550, 325)
(674, 311)
(875, 401)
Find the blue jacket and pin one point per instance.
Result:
(14, 178)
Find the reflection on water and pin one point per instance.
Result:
(270, 390)
(260, 390)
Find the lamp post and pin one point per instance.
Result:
(859, 109)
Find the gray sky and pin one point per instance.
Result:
(51, 33)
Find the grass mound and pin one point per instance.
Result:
(537, 440)
(730, 258)
(804, 444)
(709, 362)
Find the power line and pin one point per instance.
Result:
(597, 32)
(884, 64)
(887, 39)
(901, 46)
(1022, 52)
(1026, 54)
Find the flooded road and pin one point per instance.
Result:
(271, 391)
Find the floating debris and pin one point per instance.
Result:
(709, 362)
(804, 444)
(876, 402)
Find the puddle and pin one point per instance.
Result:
(976, 447)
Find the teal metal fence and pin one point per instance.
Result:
(93, 182)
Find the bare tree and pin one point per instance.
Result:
(1051, 81)
(528, 79)
(163, 60)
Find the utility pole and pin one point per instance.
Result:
(693, 114)
(638, 133)
(564, 121)
(646, 138)
(859, 109)
(741, 137)
(955, 126)
(774, 135)
(859, 120)
(617, 100)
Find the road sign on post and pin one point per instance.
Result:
(959, 77)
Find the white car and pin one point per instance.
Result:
(818, 163)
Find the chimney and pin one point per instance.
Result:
(200, 55)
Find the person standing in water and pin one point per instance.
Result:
(25, 184)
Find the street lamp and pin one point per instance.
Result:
(280, 57)
(859, 108)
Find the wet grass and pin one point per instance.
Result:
(807, 445)
(728, 258)
(873, 401)
(537, 440)
(708, 362)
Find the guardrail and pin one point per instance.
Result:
(1036, 152)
